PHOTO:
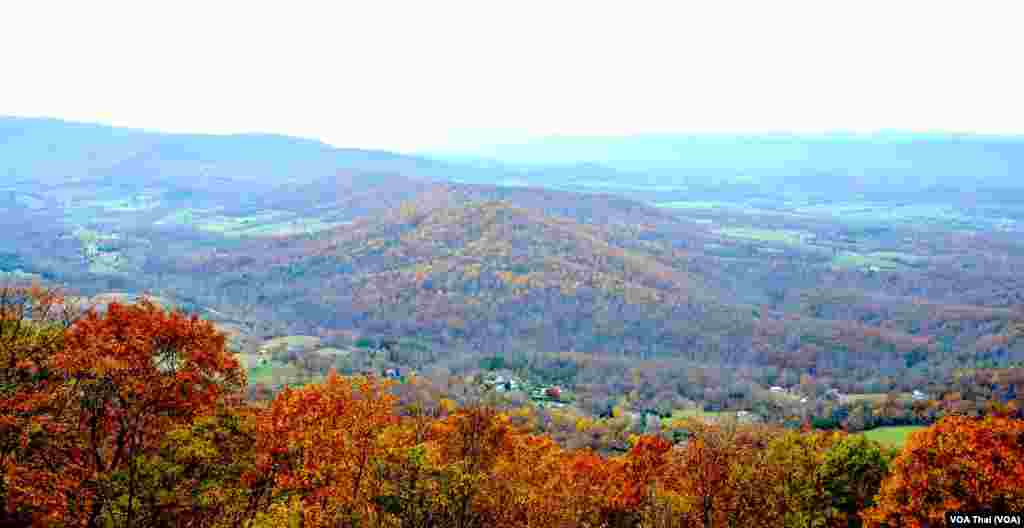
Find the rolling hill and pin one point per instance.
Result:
(491, 274)
(363, 193)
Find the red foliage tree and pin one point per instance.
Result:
(118, 383)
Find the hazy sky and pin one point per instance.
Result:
(425, 73)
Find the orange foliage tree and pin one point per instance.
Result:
(960, 464)
(118, 382)
(321, 443)
(700, 482)
(465, 447)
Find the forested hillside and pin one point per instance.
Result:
(134, 417)
(489, 273)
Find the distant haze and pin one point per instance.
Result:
(415, 76)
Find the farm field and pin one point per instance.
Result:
(698, 205)
(875, 397)
(894, 436)
(268, 223)
(124, 204)
(883, 260)
(700, 414)
(778, 236)
(300, 341)
(274, 373)
(861, 214)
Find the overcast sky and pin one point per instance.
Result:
(429, 73)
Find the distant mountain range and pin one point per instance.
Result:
(907, 160)
(51, 151)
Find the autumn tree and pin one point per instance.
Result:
(467, 445)
(700, 480)
(320, 444)
(635, 477)
(533, 483)
(800, 491)
(119, 382)
(406, 466)
(958, 464)
(852, 470)
(795, 491)
(201, 475)
(33, 322)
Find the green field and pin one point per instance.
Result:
(858, 213)
(186, 216)
(779, 236)
(306, 342)
(286, 228)
(876, 397)
(277, 373)
(233, 224)
(130, 204)
(698, 205)
(916, 215)
(699, 414)
(264, 224)
(698, 208)
(895, 436)
(882, 260)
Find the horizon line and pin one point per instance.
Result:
(540, 138)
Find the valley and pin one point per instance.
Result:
(644, 295)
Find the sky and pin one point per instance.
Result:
(440, 74)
